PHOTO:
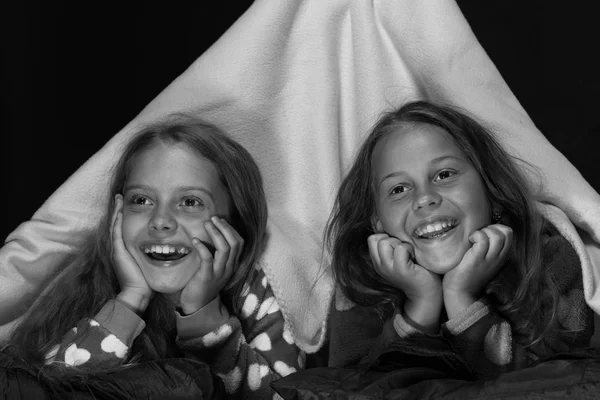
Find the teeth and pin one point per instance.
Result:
(165, 249)
(434, 227)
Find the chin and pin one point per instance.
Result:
(168, 279)
(168, 284)
(439, 266)
(166, 289)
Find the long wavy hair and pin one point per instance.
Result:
(86, 281)
(349, 225)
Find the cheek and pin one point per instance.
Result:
(393, 220)
(131, 228)
(195, 228)
(473, 200)
(481, 210)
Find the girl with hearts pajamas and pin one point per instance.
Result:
(172, 271)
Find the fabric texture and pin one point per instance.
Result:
(169, 379)
(251, 350)
(247, 352)
(573, 376)
(299, 84)
(103, 341)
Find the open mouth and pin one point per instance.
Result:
(433, 230)
(165, 252)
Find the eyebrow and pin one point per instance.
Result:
(179, 189)
(434, 161)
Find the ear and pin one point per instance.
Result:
(496, 207)
(497, 211)
(376, 224)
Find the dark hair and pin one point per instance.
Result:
(86, 281)
(349, 225)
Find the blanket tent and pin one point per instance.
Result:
(299, 84)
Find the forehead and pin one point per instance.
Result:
(414, 144)
(172, 165)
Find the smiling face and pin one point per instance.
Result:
(428, 195)
(170, 192)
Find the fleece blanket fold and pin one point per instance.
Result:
(299, 83)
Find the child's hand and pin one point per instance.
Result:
(393, 261)
(463, 284)
(215, 272)
(135, 292)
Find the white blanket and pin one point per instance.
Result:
(299, 83)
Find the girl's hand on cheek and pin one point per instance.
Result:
(393, 261)
(135, 292)
(214, 272)
(463, 285)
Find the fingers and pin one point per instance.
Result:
(206, 259)
(499, 238)
(126, 268)
(386, 247)
(481, 244)
(228, 244)
(232, 237)
(403, 253)
(389, 253)
(373, 243)
(381, 249)
(117, 226)
(118, 209)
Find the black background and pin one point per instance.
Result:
(74, 74)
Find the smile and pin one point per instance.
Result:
(435, 229)
(165, 252)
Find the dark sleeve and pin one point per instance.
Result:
(399, 328)
(404, 344)
(485, 340)
(352, 333)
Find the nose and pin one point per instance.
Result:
(162, 221)
(426, 198)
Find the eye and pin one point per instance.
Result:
(192, 202)
(140, 200)
(445, 174)
(398, 190)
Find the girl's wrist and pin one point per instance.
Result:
(136, 302)
(424, 311)
(190, 308)
(456, 302)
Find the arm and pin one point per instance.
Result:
(405, 344)
(485, 339)
(248, 351)
(477, 328)
(103, 341)
(394, 261)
